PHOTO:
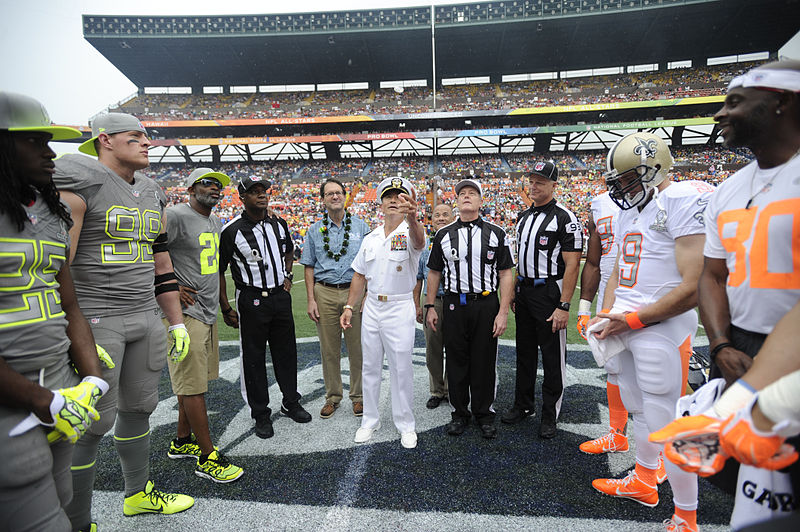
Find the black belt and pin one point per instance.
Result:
(332, 285)
(530, 281)
(264, 292)
(471, 296)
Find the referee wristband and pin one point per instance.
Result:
(428, 305)
(632, 318)
(717, 348)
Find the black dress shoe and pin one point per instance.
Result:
(547, 430)
(489, 431)
(264, 428)
(515, 415)
(434, 402)
(297, 413)
(457, 427)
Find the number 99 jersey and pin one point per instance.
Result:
(760, 244)
(646, 242)
(33, 327)
(113, 267)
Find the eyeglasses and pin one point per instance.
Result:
(332, 194)
(209, 182)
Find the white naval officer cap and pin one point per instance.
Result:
(396, 183)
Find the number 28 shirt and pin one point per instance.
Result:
(113, 268)
(760, 244)
(646, 242)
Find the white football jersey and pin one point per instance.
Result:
(604, 215)
(760, 244)
(646, 242)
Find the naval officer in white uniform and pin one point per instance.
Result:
(387, 264)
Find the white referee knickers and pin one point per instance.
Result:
(388, 327)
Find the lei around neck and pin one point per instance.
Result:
(326, 237)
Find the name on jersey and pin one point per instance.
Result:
(766, 497)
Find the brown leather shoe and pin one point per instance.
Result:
(358, 409)
(328, 410)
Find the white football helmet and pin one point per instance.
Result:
(636, 164)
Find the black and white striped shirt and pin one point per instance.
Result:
(469, 255)
(543, 233)
(255, 251)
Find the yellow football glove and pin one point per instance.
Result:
(104, 357)
(71, 417)
(180, 343)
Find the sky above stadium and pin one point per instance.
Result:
(45, 54)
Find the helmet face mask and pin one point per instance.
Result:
(637, 164)
(629, 188)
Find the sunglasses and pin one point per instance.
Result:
(209, 182)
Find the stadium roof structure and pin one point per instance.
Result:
(474, 39)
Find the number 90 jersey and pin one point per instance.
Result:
(33, 327)
(760, 244)
(113, 267)
(646, 242)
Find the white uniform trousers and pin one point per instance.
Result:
(652, 376)
(388, 327)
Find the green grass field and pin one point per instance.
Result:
(304, 327)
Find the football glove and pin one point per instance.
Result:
(71, 417)
(104, 357)
(86, 394)
(180, 343)
(583, 324)
(692, 443)
(744, 442)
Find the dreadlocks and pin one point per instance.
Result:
(16, 192)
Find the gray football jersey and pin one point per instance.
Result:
(33, 327)
(113, 266)
(194, 250)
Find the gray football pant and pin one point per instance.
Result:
(137, 343)
(35, 483)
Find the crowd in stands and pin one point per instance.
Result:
(676, 83)
(295, 193)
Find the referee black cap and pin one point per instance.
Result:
(249, 182)
(546, 169)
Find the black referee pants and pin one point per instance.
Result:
(471, 355)
(534, 305)
(265, 320)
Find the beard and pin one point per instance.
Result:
(206, 200)
(750, 131)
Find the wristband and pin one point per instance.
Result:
(228, 311)
(606, 311)
(717, 348)
(428, 305)
(632, 318)
(584, 307)
(735, 398)
(348, 307)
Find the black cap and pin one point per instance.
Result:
(249, 182)
(546, 169)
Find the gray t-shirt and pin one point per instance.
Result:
(113, 267)
(194, 250)
(33, 327)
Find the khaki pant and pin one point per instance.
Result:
(329, 303)
(191, 375)
(434, 354)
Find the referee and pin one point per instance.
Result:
(471, 258)
(260, 252)
(549, 245)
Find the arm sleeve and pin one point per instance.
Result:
(571, 234)
(713, 247)
(505, 259)
(359, 264)
(436, 257)
(226, 247)
(686, 215)
(309, 255)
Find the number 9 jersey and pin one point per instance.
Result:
(753, 222)
(646, 242)
(113, 264)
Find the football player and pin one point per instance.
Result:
(649, 304)
(46, 345)
(118, 255)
